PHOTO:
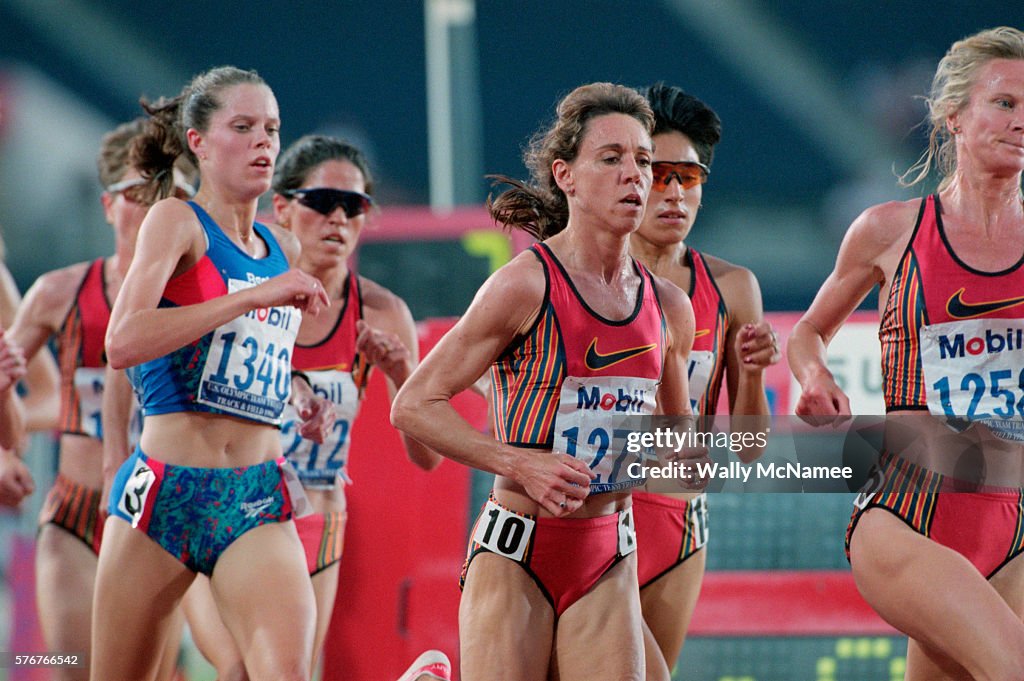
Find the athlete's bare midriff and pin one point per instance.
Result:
(209, 440)
(927, 441)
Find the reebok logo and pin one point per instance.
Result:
(252, 509)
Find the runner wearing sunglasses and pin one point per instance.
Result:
(72, 305)
(206, 320)
(732, 344)
(549, 585)
(322, 195)
(937, 553)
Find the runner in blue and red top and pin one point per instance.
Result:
(581, 341)
(72, 305)
(936, 537)
(732, 344)
(322, 195)
(206, 320)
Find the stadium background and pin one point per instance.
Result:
(818, 102)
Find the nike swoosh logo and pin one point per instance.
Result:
(701, 333)
(958, 309)
(597, 361)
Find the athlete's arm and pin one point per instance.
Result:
(42, 401)
(750, 348)
(315, 411)
(170, 241)
(872, 240)
(116, 415)
(15, 479)
(387, 338)
(674, 391)
(12, 417)
(504, 308)
(40, 316)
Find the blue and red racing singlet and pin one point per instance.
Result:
(337, 372)
(575, 381)
(241, 368)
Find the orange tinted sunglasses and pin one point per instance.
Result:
(689, 174)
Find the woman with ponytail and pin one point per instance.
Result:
(936, 538)
(549, 585)
(72, 306)
(205, 323)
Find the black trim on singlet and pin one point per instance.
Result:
(516, 342)
(341, 315)
(907, 253)
(949, 247)
(711, 277)
(905, 407)
(572, 286)
(688, 261)
(359, 294)
(78, 293)
(103, 285)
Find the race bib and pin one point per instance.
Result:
(89, 384)
(595, 418)
(248, 367)
(627, 533)
(320, 465)
(699, 375)
(974, 371)
(301, 506)
(136, 490)
(503, 532)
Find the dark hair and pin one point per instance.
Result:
(309, 152)
(954, 77)
(675, 110)
(154, 152)
(540, 207)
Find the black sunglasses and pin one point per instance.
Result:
(325, 200)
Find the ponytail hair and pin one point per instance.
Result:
(154, 152)
(540, 207)
(950, 93)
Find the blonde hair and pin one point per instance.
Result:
(950, 93)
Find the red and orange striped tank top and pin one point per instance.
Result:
(952, 336)
(570, 339)
(81, 356)
(707, 359)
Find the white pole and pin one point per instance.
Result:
(440, 16)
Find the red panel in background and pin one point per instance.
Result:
(26, 636)
(398, 589)
(784, 603)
